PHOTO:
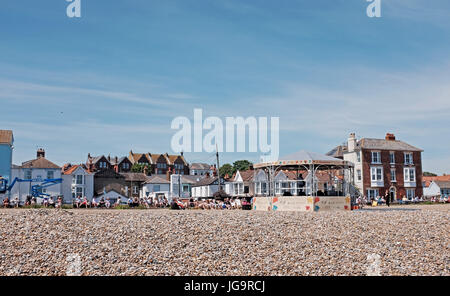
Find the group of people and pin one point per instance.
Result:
(209, 204)
(440, 199)
(381, 200)
(83, 202)
(47, 201)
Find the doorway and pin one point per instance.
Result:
(393, 194)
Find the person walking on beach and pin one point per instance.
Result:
(388, 199)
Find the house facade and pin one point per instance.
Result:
(36, 169)
(206, 187)
(201, 169)
(156, 187)
(78, 181)
(161, 164)
(384, 166)
(6, 149)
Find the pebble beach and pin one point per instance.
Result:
(408, 240)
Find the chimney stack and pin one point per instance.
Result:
(40, 153)
(390, 137)
(351, 142)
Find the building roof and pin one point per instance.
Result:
(68, 169)
(6, 137)
(205, 181)
(39, 163)
(156, 180)
(189, 179)
(429, 179)
(200, 166)
(135, 177)
(383, 144)
(443, 184)
(246, 176)
(338, 151)
(111, 187)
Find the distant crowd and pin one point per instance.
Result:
(147, 203)
(380, 200)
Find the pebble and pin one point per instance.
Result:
(209, 243)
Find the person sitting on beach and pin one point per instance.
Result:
(28, 200)
(84, 203)
(6, 202)
(102, 203)
(51, 202)
(77, 202)
(107, 203)
(94, 203)
(45, 202)
(130, 202)
(59, 202)
(117, 203)
(16, 202)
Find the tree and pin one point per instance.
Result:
(241, 165)
(226, 169)
(428, 174)
(139, 168)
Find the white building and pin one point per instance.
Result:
(206, 187)
(38, 170)
(77, 181)
(201, 169)
(156, 186)
(437, 188)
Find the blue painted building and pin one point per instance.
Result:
(6, 147)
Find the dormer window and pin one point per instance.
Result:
(103, 165)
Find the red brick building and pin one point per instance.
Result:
(384, 166)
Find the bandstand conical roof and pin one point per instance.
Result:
(305, 158)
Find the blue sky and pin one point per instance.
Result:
(114, 79)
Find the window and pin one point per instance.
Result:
(392, 158)
(238, 188)
(377, 174)
(358, 175)
(372, 193)
(126, 166)
(376, 157)
(409, 158)
(161, 165)
(410, 193)
(410, 175)
(358, 156)
(27, 175)
(258, 188)
(77, 192)
(179, 166)
(79, 180)
(50, 174)
(393, 175)
(135, 190)
(156, 188)
(102, 165)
